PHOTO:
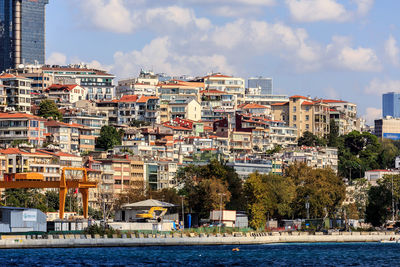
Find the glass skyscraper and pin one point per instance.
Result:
(265, 84)
(391, 105)
(22, 32)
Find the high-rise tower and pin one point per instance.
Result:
(22, 32)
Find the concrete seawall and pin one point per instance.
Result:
(71, 241)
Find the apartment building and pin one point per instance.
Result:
(245, 167)
(184, 108)
(315, 157)
(3, 97)
(145, 84)
(255, 110)
(65, 93)
(345, 115)
(305, 114)
(21, 127)
(266, 133)
(70, 137)
(228, 84)
(18, 91)
(29, 160)
(172, 89)
(97, 83)
(89, 120)
(138, 108)
(161, 174)
(217, 104)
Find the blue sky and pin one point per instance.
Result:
(343, 49)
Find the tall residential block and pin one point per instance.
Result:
(391, 105)
(22, 32)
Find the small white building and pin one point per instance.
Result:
(373, 175)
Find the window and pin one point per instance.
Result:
(294, 109)
(307, 117)
(34, 124)
(294, 117)
(307, 126)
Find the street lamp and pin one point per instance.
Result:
(220, 212)
(308, 207)
(183, 214)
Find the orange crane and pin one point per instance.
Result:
(36, 180)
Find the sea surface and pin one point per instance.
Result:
(317, 254)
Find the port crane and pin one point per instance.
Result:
(36, 180)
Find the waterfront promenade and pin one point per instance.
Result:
(71, 241)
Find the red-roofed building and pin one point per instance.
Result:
(138, 108)
(70, 137)
(21, 127)
(31, 160)
(255, 109)
(98, 84)
(228, 84)
(66, 93)
(303, 113)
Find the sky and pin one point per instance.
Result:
(336, 49)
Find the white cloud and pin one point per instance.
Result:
(110, 15)
(241, 2)
(372, 114)
(175, 16)
(316, 10)
(378, 87)
(363, 6)
(326, 10)
(56, 58)
(160, 54)
(359, 59)
(392, 50)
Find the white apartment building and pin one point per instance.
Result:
(227, 84)
(18, 91)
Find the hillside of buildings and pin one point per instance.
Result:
(210, 140)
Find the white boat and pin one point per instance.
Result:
(389, 241)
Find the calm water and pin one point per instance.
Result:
(353, 254)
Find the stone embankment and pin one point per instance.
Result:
(72, 241)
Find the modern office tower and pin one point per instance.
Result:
(265, 84)
(22, 32)
(391, 105)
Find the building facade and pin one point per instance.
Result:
(22, 39)
(391, 105)
(260, 85)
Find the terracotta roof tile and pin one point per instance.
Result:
(19, 116)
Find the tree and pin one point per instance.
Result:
(358, 152)
(109, 137)
(309, 139)
(387, 156)
(270, 195)
(359, 193)
(324, 190)
(333, 136)
(48, 109)
(191, 176)
(379, 203)
(27, 198)
(138, 123)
